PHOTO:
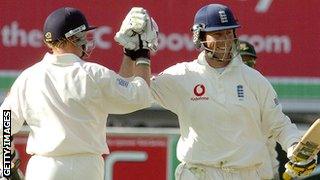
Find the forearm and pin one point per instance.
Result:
(143, 71)
(127, 67)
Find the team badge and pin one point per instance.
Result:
(243, 47)
(48, 36)
(223, 16)
(240, 92)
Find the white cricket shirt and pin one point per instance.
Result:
(66, 101)
(224, 118)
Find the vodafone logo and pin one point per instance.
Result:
(199, 90)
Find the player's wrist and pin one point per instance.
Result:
(135, 54)
(290, 150)
(143, 61)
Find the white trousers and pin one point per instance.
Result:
(198, 172)
(75, 167)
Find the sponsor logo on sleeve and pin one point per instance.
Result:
(276, 101)
(122, 82)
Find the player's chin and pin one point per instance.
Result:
(223, 56)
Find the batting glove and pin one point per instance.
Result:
(138, 31)
(16, 174)
(132, 25)
(149, 36)
(301, 169)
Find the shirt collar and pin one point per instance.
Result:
(237, 61)
(61, 59)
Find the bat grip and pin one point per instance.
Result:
(286, 176)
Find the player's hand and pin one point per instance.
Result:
(133, 25)
(301, 168)
(149, 36)
(138, 31)
(16, 174)
(290, 151)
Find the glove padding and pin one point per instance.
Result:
(149, 36)
(138, 31)
(301, 169)
(133, 23)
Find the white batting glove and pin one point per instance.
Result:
(149, 36)
(290, 151)
(297, 167)
(138, 30)
(300, 169)
(133, 24)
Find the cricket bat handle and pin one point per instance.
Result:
(286, 176)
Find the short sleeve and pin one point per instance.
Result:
(278, 124)
(14, 102)
(121, 95)
(165, 91)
